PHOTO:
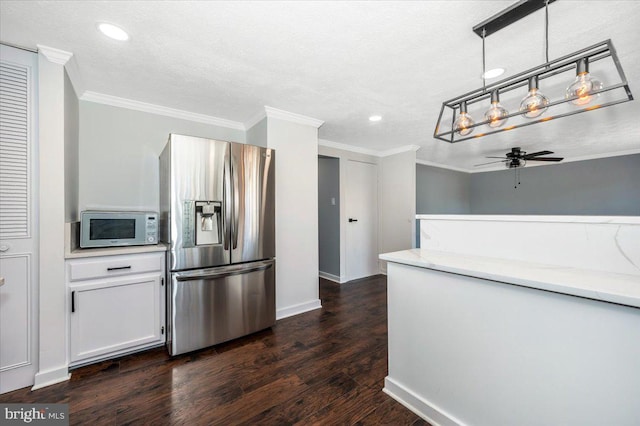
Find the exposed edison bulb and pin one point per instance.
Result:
(584, 85)
(496, 115)
(463, 123)
(535, 103)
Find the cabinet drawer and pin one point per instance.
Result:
(90, 268)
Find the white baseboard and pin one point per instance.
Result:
(51, 377)
(300, 308)
(419, 405)
(331, 277)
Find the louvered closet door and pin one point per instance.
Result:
(18, 227)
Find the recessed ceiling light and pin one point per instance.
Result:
(113, 31)
(375, 118)
(496, 72)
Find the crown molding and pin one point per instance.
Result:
(441, 166)
(399, 150)
(261, 115)
(292, 117)
(160, 110)
(54, 55)
(566, 160)
(366, 151)
(349, 148)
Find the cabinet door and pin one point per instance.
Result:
(113, 315)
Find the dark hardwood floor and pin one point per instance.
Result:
(323, 367)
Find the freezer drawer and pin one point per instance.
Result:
(214, 305)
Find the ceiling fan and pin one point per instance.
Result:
(518, 158)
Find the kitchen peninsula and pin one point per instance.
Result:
(501, 320)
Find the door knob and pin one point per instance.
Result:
(352, 219)
(4, 247)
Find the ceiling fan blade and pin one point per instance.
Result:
(546, 159)
(497, 157)
(536, 154)
(490, 162)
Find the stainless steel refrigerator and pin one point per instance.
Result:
(217, 216)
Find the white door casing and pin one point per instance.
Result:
(362, 220)
(18, 219)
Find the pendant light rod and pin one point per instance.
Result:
(508, 16)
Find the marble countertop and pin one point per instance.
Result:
(609, 287)
(631, 220)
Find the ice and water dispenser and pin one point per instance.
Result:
(208, 226)
(202, 223)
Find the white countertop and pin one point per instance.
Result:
(632, 220)
(113, 251)
(609, 287)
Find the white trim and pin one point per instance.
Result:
(292, 117)
(51, 377)
(331, 277)
(345, 147)
(300, 308)
(158, 109)
(398, 150)
(366, 151)
(261, 115)
(420, 406)
(54, 55)
(602, 155)
(74, 75)
(441, 166)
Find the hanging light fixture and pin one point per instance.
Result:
(586, 93)
(464, 123)
(496, 115)
(535, 103)
(585, 86)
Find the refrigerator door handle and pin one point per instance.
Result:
(207, 274)
(236, 204)
(226, 196)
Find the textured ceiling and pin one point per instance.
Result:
(339, 62)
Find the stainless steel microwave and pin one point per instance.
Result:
(113, 229)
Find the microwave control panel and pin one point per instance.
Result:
(151, 229)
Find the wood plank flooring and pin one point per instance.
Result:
(323, 367)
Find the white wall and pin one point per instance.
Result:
(119, 151)
(52, 294)
(396, 203)
(71, 151)
(296, 147)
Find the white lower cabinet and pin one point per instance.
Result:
(117, 305)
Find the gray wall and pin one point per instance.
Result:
(605, 186)
(440, 191)
(329, 215)
(118, 154)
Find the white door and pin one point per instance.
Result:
(362, 220)
(18, 224)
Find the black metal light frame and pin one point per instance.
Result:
(592, 54)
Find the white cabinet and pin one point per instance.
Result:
(117, 305)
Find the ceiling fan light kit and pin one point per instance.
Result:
(567, 81)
